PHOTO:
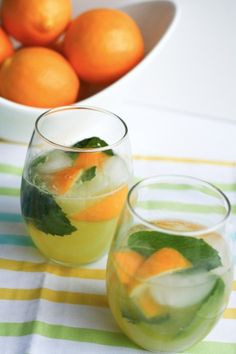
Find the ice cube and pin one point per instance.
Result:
(115, 171)
(56, 160)
(96, 186)
(181, 290)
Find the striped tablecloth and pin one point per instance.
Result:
(47, 308)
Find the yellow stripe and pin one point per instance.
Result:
(185, 160)
(234, 285)
(7, 141)
(157, 158)
(230, 314)
(21, 266)
(75, 298)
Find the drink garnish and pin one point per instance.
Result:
(41, 209)
(107, 208)
(89, 174)
(211, 304)
(93, 142)
(195, 250)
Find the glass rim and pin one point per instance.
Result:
(156, 178)
(76, 149)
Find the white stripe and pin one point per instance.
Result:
(58, 313)
(10, 180)
(232, 300)
(51, 346)
(13, 154)
(28, 280)
(224, 331)
(217, 174)
(20, 253)
(184, 197)
(9, 228)
(9, 204)
(16, 345)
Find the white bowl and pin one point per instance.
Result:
(154, 19)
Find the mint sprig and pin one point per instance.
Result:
(41, 209)
(212, 305)
(89, 174)
(197, 251)
(93, 142)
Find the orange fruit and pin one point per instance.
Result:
(160, 262)
(107, 208)
(127, 263)
(103, 45)
(6, 48)
(88, 159)
(164, 260)
(148, 306)
(63, 180)
(38, 77)
(36, 22)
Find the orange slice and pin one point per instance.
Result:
(162, 261)
(126, 264)
(89, 159)
(108, 208)
(166, 259)
(63, 180)
(148, 306)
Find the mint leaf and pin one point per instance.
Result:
(93, 142)
(210, 309)
(89, 174)
(197, 251)
(35, 163)
(41, 209)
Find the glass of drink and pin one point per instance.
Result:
(170, 268)
(75, 182)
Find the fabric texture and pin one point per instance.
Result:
(47, 308)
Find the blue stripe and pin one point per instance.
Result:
(233, 236)
(11, 217)
(18, 240)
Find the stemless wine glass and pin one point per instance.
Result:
(75, 182)
(169, 271)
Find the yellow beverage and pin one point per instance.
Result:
(72, 204)
(89, 242)
(165, 301)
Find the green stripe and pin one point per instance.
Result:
(176, 206)
(13, 170)
(66, 333)
(98, 336)
(10, 192)
(213, 348)
(226, 187)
